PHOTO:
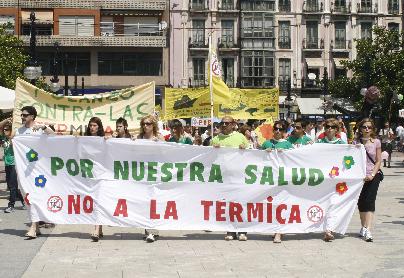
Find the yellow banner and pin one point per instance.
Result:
(70, 115)
(244, 104)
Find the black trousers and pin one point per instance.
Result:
(15, 193)
(367, 198)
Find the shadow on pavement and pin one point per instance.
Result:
(400, 200)
(395, 222)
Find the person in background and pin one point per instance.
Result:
(289, 126)
(246, 131)
(366, 135)
(178, 135)
(387, 136)
(232, 139)
(319, 128)
(121, 129)
(298, 137)
(310, 131)
(342, 131)
(400, 135)
(28, 116)
(95, 128)
(277, 143)
(216, 131)
(9, 162)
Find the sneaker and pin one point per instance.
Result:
(368, 236)
(242, 237)
(362, 232)
(151, 238)
(24, 207)
(9, 210)
(230, 236)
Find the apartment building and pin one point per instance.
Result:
(111, 43)
(269, 43)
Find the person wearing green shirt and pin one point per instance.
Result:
(178, 134)
(11, 174)
(232, 139)
(298, 137)
(280, 144)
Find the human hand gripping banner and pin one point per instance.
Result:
(168, 186)
(70, 114)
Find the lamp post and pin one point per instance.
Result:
(55, 86)
(325, 88)
(288, 100)
(32, 71)
(66, 72)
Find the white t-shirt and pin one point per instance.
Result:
(385, 135)
(400, 131)
(28, 131)
(344, 137)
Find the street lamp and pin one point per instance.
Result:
(33, 71)
(325, 88)
(288, 100)
(55, 86)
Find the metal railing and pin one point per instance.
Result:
(365, 8)
(313, 43)
(227, 42)
(283, 83)
(309, 83)
(197, 39)
(284, 8)
(226, 5)
(284, 43)
(342, 8)
(393, 9)
(312, 7)
(341, 44)
(198, 5)
(137, 29)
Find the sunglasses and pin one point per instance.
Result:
(148, 124)
(25, 115)
(6, 129)
(226, 123)
(298, 127)
(331, 126)
(278, 128)
(367, 127)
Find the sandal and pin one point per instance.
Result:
(32, 235)
(277, 238)
(328, 236)
(95, 237)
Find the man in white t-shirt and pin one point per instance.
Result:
(400, 136)
(28, 115)
(386, 137)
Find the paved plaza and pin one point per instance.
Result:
(66, 250)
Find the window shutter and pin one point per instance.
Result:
(67, 25)
(85, 26)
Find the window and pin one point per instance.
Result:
(228, 71)
(198, 4)
(340, 35)
(257, 69)
(76, 25)
(199, 72)
(254, 5)
(227, 38)
(312, 34)
(77, 62)
(284, 35)
(340, 6)
(284, 74)
(312, 6)
(257, 25)
(227, 5)
(366, 6)
(366, 30)
(393, 6)
(198, 33)
(394, 26)
(41, 30)
(8, 22)
(284, 5)
(133, 64)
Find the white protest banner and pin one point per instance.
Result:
(170, 186)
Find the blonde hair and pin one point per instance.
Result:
(154, 122)
(332, 122)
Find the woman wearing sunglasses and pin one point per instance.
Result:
(366, 135)
(331, 128)
(279, 143)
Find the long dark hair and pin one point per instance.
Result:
(97, 121)
(125, 125)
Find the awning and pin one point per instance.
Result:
(40, 17)
(7, 97)
(314, 62)
(337, 62)
(312, 106)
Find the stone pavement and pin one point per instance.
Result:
(68, 252)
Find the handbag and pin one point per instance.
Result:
(380, 172)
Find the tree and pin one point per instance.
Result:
(13, 58)
(379, 62)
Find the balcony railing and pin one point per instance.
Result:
(394, 9)
(122, 41)
(309, 83)
(226, 5)
(284, 43)
(197, 83)
(284, 8)
(313, 43)
(138, 29)
(366, 8)
(198, 5)
(227, 42)
(342, 8)
(197, 39)
(283, 83)
(341, 44)
(312, 7)
(88, 4)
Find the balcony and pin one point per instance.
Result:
(97, 41)
(312, 7)
(342, 9)
(197, 39)
(341, 45)
(366, 9)
(226, 5)
(195, 83)
(227, 42)
(313, 44)
(198, 6)
(393, 9)
(158, 5)
(284, 43)
(284, 8)
(109, 29)
(283, 83)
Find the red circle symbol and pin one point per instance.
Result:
(55, 204)
(315, 214)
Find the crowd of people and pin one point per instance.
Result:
(229, 133)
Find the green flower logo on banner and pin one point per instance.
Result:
(341, 188)
(40, 181)
(32, 155)
(348, 162)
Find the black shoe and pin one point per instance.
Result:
(9, 210)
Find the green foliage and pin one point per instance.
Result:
(379, 62)
(12, 58)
